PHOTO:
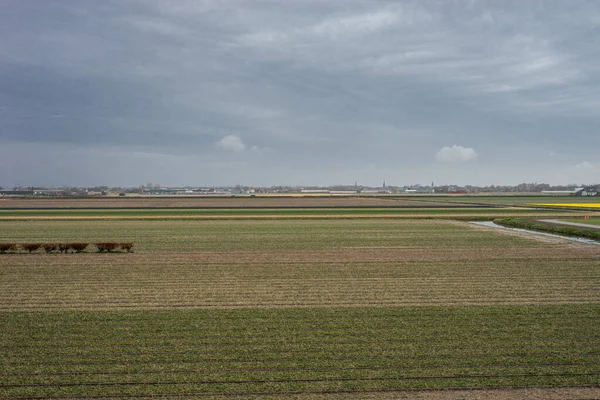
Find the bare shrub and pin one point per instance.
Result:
(6, 247)
(78, 247)
(107, 246)
(50, 247)
(128, 247)
(31, 247)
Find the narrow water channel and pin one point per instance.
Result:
(491, 224)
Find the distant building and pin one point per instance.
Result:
(376, 191)
(573, 192)
(581, 191)
(343, 192)
(314, 191)
(32, 192)
(589, 191)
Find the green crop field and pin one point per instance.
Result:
(280, 235)
(292, 308)
(450, 212)
(312, 350)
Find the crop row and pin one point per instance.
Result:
(228, 351)
(318, 375)
(302, 357)
(242, 305)
(73, 247)
(429, 339)
(248, 387)
(375, 297)
(326, 364)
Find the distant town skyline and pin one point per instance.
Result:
(150, 188)
(299, 92)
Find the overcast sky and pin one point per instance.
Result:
(300, 92)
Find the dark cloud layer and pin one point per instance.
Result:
(298, 92)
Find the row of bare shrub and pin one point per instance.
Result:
(76, 247)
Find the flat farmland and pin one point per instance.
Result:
(209, 202)
(332, 309)
(450, 212)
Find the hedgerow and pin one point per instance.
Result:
(79, 247)
(50, 247)
(74, 247)
(5, 247)
(31, 247)
(113, 246)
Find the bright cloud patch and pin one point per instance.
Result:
(231, 143)
(455, 154)
(586, 165)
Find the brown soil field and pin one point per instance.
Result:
(186, 202)
(553, 274)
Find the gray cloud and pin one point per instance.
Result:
(321, 91)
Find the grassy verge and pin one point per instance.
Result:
(544, 227)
